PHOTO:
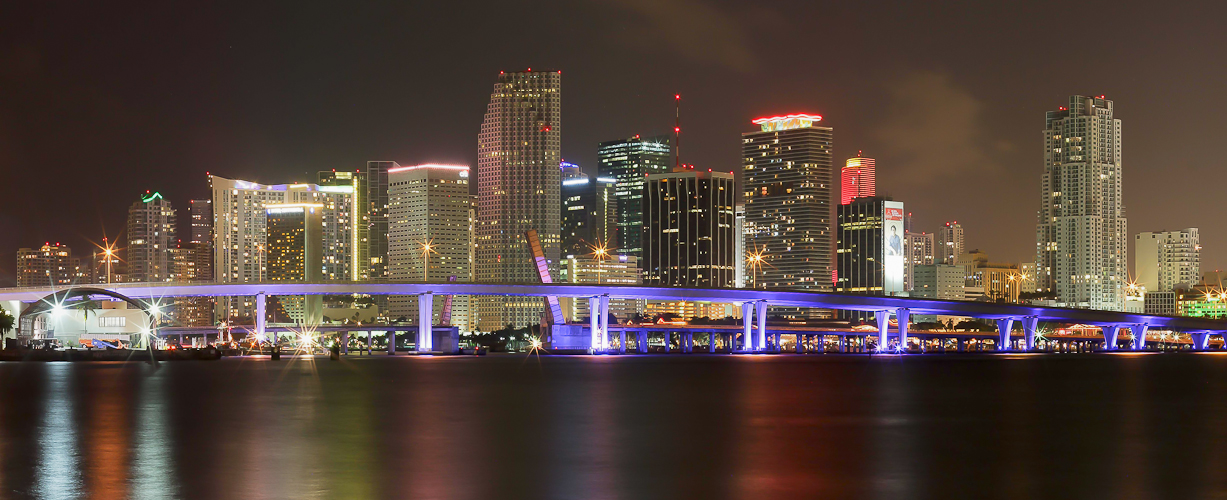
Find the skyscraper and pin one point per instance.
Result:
(858, 179)
(788, 194)
(688, 229)
(1081, 235)
(295, 252)
(48, 266)
(376, 218)
(518, 186)
(950, 243)
(588, 213)
(871, 254)
(920, 252)
(1167, 260)
(430, 205)
(627, 162)
(359, 265)
(151, 236)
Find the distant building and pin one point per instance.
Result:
(992, 281)
(359, 263)
(1081, 233)
(50, 265)
(376, 217)
(518, 190)
(1167, 260)
(627, 162)
(588, 213)
(295, 253)
(788, 198)
(920, 252)
(950, 243)
(688, 229)
(151, 236)
(1160, 303)
(430, 204)
(1202, 302)
(740, 278)
(585, 269)
(858, 179)
(938, 281)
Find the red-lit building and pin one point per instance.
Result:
(859, 179)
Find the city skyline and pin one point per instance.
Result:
(889, 109)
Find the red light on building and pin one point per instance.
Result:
(858, 179)
(798, 116)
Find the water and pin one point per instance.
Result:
(683, 426)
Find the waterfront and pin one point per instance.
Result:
(681, 426)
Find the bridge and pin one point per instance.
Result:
(754, 303)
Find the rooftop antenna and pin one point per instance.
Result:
(677, 132)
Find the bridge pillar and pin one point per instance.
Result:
(642, 343)
(1110, 334)
(594, 324)
(1004, 325)
(903, 315)
(1029, 324)
(883, 318)
(1139, 336)
(800, 343)
(260, 304)
(370, 342)
(426, 309)
(1201, 340)
(622, 342)
(604, 322)
(344, 342)
(760, 314)
(747, 316)
(711, 342)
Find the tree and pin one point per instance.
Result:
(6, 322)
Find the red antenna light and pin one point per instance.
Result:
(677, 130)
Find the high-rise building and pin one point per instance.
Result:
(920, 252)
(151, 236)
(858, 179)
(688, 229)
(1081, 234)
(871, 247)
(358, 224)
(627, 162)
(1167, 260)
(51, 265)
(950, 243)
(240, 232)
(295, 253)
(430, 234)
(740, 279)
(376, 217)
(588, 210)
(788, 194)
(518, 190)
(938, 281)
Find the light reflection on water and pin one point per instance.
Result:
(699, 426)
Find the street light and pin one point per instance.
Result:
(756, 260)
(601, 252)
(427, 249)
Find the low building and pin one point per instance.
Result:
(1160, 303)
(111, 322)
(938, 281)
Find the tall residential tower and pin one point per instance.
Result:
(627, 162)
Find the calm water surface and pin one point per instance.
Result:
(692, 426)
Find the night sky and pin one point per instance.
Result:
(100, 101)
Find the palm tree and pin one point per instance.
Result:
(6, 322)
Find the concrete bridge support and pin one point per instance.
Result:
(1201, 340)
(800, 343)
(1110, 333)
(903, 315)
(760, 314)
(1139, 335)
(622, 342)
(426, 308)
(604, 302)
(747, 317)
(261, 300)
(1030, 323)
(1004, 325)
(594, 324)
(344, 342)
(883, 318)
(641, 342)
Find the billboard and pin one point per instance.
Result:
(892, 247)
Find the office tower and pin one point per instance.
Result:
(788, 194)
(688, 229)
(295, 253)
(51, 265)
(198, 268)
(518, 186)
(627, 162)
(200, 216)
(240, 232)
(871, 249)
(1081, 234)
(938, 281)
(739, 246)
(1167, 260)
(920, 252)
(429, 234)
(590, 270)
(151, 236)
(587, 213)
(376, 217)
(950, 243)
(858, 179)
(359, 265)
